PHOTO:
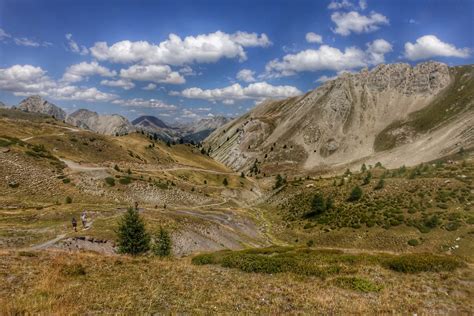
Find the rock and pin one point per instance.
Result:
(37, 104)
(103, 124)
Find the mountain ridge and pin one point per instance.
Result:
(339, 122)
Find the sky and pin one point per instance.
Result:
(185, 60)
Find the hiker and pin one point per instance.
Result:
(136, 206)
(74, 224)
(84, 219)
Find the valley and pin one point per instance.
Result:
(336, 192)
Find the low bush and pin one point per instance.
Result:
(425, 262)
(357, 284)
(413, 242)
(110, 181)
(73, 270)
(125, 180)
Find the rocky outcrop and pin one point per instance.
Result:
(37, 104)
(341, 121)
(103, 124)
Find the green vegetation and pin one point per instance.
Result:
(125, 180)
(132, 236)
(68, 200)
(279, 181)
(414, 263)
(225, 182)
(162, 244)
(413, 242)
(324, 263)
(356, 194)
(357, 284)
(110, 181)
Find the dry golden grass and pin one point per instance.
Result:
(78, 283)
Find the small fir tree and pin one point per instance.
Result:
(162, 246)
(132, 236)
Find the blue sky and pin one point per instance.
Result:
(183, 60)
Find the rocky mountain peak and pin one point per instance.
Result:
(37, 104)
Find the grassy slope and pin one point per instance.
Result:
(60, 283)
(430, 203)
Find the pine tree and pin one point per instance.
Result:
(225, 182)
(132, 235)
(280, 181)
(162, 246)
(380, 184)
(367, 178)
(363, 168)
(356, 194)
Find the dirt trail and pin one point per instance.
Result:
(48, 243)
(78, 167)
(57, 134)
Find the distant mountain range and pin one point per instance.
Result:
(115, 124)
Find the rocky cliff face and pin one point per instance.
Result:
(37, 104)
(345, 120)
(102, 124)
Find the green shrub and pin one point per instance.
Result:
(68, 200)
(66, 180)
(110, 181)
(356, 194)
(425, 262)
(203, 259)
(357, 284)
(125, 180)
(279, 181)
(225, 182)
(380, 184)
(413, 242)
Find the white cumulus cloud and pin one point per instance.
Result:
(23, 80)
(81, 71)
(74, 47)
(246, 75)
(150, 87)
(259, 90)
(120, 83)
(313, 38)
(150, 103)
(355, 22)
(154, 73)
(204, 48)
(328, 58)
(430, 46)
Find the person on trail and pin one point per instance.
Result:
(84, 219)
(74, 224)
(136, 206)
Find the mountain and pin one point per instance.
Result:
(195, 131)
(148, 121)
(396, 114)
(198, 131)
(3, 105)
(37, 104)
(104, 124)
(154, 125)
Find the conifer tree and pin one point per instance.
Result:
(162, 246)
(132, 236)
